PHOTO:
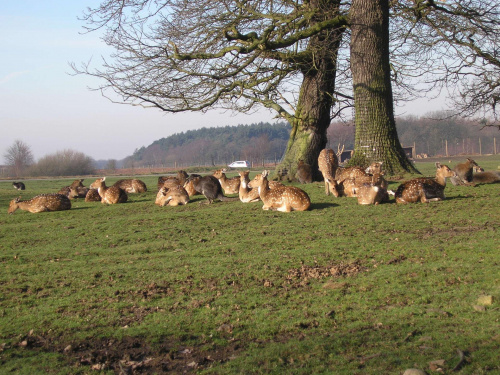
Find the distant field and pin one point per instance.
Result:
(231, 289)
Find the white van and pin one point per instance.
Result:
(240, 164)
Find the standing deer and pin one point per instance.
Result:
(425, 189)
(328, 164)
(465, 172)
(229, 185)
(281, 198)
(109, 195)
(246, 193)
(131, 185)
(173, 196)
(41, 203)
(210, 187)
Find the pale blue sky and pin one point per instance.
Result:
(50, 110)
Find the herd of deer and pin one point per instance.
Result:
(366, 184)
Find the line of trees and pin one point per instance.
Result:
(21, 163)
(267, 142)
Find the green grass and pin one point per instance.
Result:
(229, 288)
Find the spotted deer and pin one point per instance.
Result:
(131, 186)
(173, 196)
(374, 192)
(425, 189)
(109, 195)
(18, 186)
(246, 193)
(41, 203)
(75, 190)
(93, 196)
(465, 172)
(229, 185)
(328, 164)
(281, 198)
(189, 186)
(170, 181)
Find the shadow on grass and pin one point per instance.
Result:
(320, 206)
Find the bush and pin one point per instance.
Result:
(63, 163)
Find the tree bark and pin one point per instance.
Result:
(376, 138)
(313, 113)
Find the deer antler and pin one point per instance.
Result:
(339, 151)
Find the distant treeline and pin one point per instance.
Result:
(432, 134)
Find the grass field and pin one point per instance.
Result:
(231, 289)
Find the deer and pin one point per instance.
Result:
(109, 195)
(41, 203)
(93, 196)
(281, 198)
(131, 186)
(486, 177)
(229, 185)
(374, 192)
(464, 172)
(246, 193)
(173, 196)
(210, 187)
(75, 190)
(304, 173)
(171, 181)
(189, 186)
(349, 178)
(19, 186)
(328, 163)
(425, 189)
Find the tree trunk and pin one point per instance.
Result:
(312, 115)
(376, 138)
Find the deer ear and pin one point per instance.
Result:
(103, 179)
(438, 164)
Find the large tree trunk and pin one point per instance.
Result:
(312, 115)
(376, 137)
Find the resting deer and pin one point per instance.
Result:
(18, 186)
(464, 172)
(328, 164)
(281, 198)
(304, 173)
(486, 177)
(374, 192)
(229, 185)
(210, 187)
(246, 193)
(109, 195)
(93, 196)
(131, 186)
(425, 189)
(75, 190)
(171, 181)
(172, 196)
(41, 203)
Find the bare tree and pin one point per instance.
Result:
(19, 157)
(180, 55)
(452, 46)
(64, 163)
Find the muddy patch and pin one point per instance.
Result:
(302, 275)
